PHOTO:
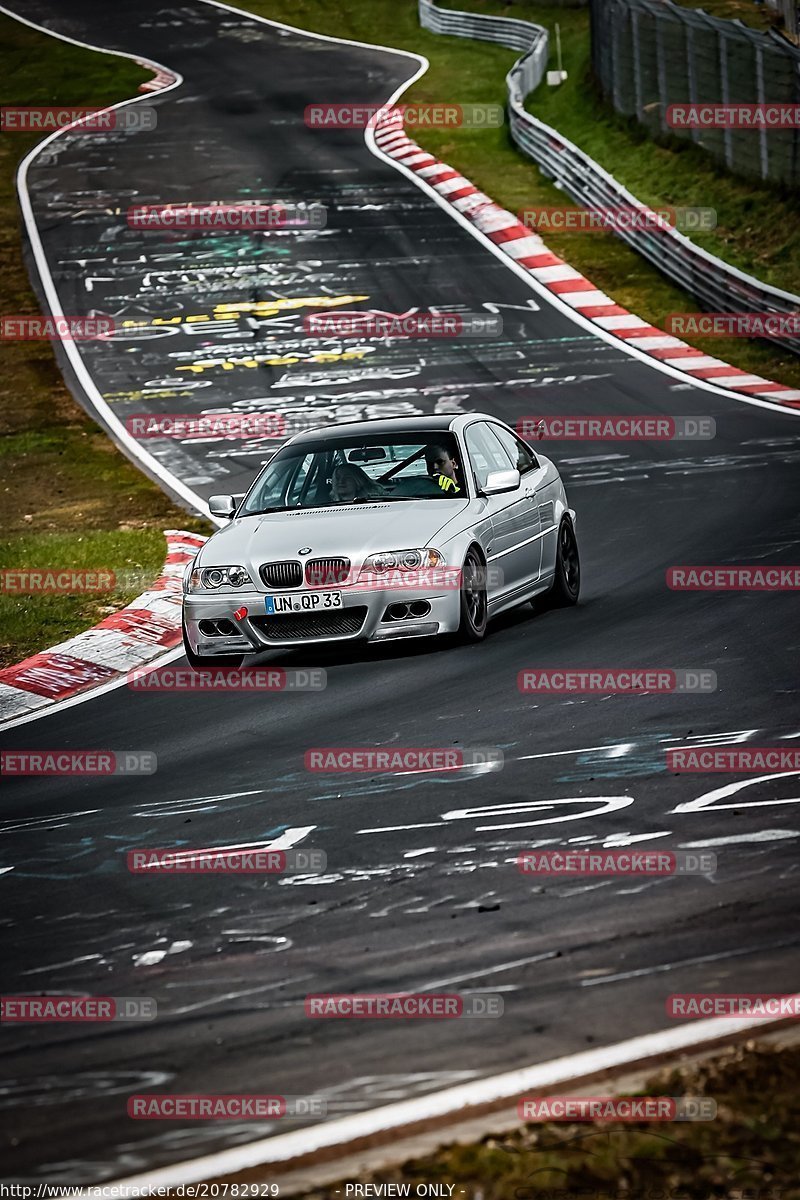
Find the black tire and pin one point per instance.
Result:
(199, 663)
(567, 583)
(474, 604)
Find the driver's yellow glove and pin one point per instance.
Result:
(447, 484)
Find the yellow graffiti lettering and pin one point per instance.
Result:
(272, 307)
(288, 360)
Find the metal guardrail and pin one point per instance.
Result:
(648, 55)
(717, 286)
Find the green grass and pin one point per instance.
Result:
(61, 475)
(751, 1149)
(759, 229)
(68, 497)
(34, 622)
(758, 16)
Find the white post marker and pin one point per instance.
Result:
(554, 78)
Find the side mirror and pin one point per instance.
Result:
(222, 506)
(501, 481)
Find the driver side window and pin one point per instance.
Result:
(521, 457)
(485, 452)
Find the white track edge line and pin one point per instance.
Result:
(553, 298)
(113, 425)
(389, 1117)
(691, 1035)
(309, 33)
(574, 315)
(557, 303)
(519, 108)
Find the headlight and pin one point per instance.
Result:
(213, 578)
(403, 560)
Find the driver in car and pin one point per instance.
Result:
(349, 483)
(442, 468)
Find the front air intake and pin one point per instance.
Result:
(282, 574)
(327, 572)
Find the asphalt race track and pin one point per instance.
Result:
(421, 891)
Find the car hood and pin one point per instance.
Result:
(352, 532)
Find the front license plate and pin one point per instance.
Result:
(303, 602)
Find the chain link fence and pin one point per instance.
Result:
(650, 54)
(717, 286)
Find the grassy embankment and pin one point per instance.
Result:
(68, 497)
(758, 227)
(750, 1151)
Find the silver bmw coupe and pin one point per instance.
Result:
(375, 530)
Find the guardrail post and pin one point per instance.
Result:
(615, 64)
(637, 63)
(762, 133)
(717, 285)
(691, 67)
(661, 67)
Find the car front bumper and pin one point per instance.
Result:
(363, 616)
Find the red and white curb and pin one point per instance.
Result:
(150, 625)
(529, 252)
(162, 78)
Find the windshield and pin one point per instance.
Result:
(343, 471)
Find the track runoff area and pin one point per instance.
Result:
(428, 887)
